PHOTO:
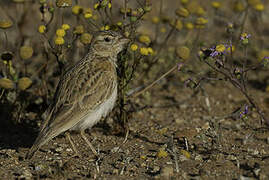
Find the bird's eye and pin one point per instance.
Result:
(107, 39)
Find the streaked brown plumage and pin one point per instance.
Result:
(85, 93)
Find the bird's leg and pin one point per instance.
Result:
(67, 134)
(82, 133)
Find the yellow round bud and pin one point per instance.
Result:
(87, 15)
(119, 23)
(6, 24)
(134, 47)
(182, 12)
(24, 83)
(201, 21)
(215, 4)
(96, 5)
(144, 51)
(26, 52)
(259, 7)
(178, 25)
(144, 39)
(150, 50)
(59, 40)
(155, 20)
(107, 27)
(189, 26)
(220, 48)
(86, 38)
(65, 27)
(200, 11)
(77, 9)
(42, 29)
(60, 32)
(183, 52)
(184, 1)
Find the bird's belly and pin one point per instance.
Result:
(93, 117)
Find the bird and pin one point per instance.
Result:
(86, 92)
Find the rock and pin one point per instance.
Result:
(167, 172)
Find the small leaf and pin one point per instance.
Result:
(6, 83)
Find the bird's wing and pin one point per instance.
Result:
(79, 92)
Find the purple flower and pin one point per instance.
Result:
(244, 111)
(244, 36)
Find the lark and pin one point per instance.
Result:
(85, 93)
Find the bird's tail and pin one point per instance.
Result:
(42, 138)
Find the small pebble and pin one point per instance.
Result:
(69, 150)
(198, 158)
(59, 149)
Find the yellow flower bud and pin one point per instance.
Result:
(60, 32)
(59, 40)
(96, 5)
(26, 52)
(178, 25)
(189, 25)
(215, 4)
(150, 50)
(24, 83)
(183, 52)
(86, 38)
(220, 48)
(144, 39)
(65, 27)
(155, 20)
(134, 47)
(200, 11)
(42, 29)
(119, 23)
(77, 9)
(6, 24)
(259, 7)
(184, 1)
(144, 51)
(182, 12)
(107, 27)
(201, 21)
(87, 15)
